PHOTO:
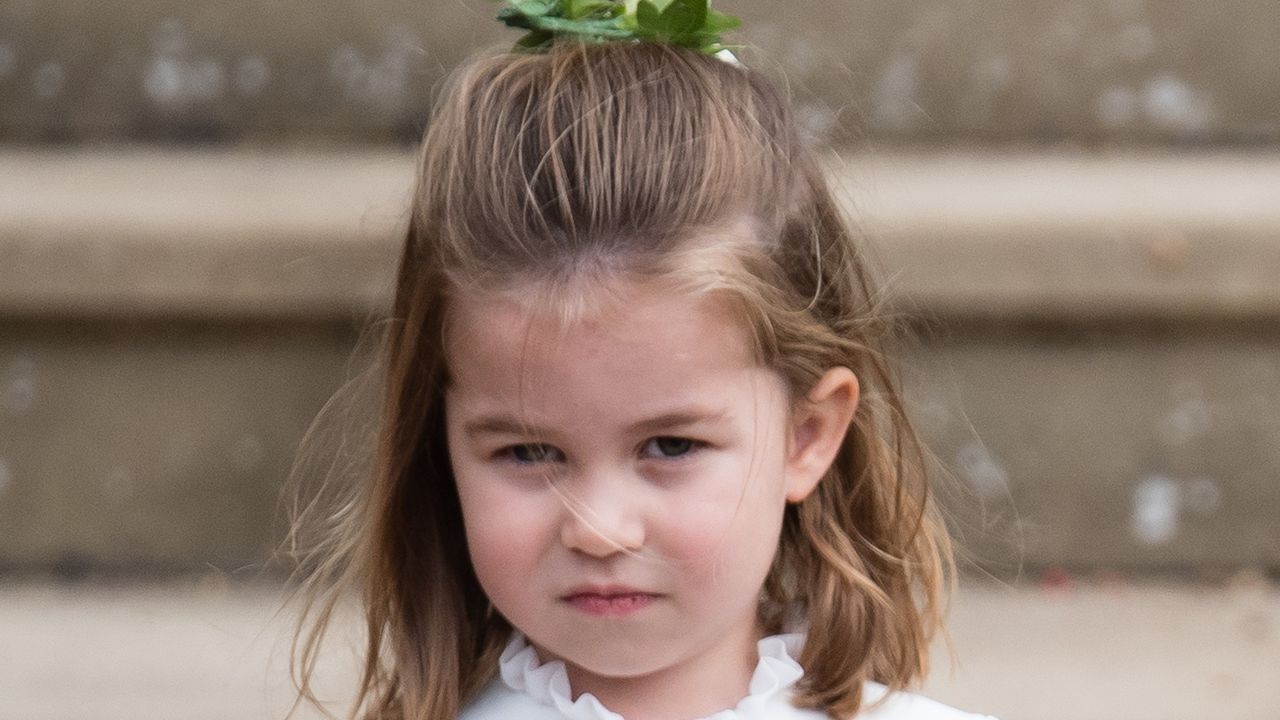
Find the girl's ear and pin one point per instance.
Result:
(818, 426)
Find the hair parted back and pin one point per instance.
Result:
(622, 157)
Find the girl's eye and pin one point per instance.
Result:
(534, 453)
(669, 447)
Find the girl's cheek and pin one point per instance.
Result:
(506, 550)
(695, 534)
(500, 520)
(498, 510)
(730, 526)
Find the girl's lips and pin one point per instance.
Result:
(610, 605)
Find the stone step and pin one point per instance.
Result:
(258, 235)
(987, 71)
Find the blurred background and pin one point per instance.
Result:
(1075, 203)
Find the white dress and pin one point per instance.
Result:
(527, 689)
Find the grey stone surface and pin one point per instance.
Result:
(1110, 447)
(984, 71)
(129, 446)
(1037, 235)
(205, 233)
(1075, 237)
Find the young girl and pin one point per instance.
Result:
(641, 454)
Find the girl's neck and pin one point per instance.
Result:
(692, 688)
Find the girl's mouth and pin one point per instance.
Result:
(610, 605)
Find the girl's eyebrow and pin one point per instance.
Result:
(679, 419)
(508, 425)
(499, 425)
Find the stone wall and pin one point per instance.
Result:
(887, 71)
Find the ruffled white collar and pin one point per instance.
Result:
(548, 683)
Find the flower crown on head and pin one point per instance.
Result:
(687, 23)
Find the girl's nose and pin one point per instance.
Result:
(602, 528)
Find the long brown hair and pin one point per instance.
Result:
(542, 166)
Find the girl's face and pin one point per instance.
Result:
(622, 479)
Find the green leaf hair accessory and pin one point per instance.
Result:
(688, 23)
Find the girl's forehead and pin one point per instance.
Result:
(530, 321)
(652, 354)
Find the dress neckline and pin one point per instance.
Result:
(775, 673)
